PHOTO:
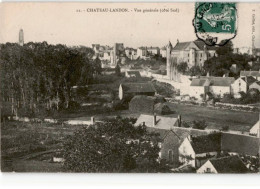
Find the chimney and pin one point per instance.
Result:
(190, 138)
(143, 123)
(92, 121)
(154, 120)
(179, 120)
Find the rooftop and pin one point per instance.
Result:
(200, 44)
(162, 122)
(249, 79)
(229, 164)
(206, 143)
(250, 73)
(138, 87)
(242, 144)
(212, 81)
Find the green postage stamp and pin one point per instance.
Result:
(215, 23)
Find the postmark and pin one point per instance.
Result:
(215, 23)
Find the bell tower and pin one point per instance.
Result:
(168, 59)
(21, 37)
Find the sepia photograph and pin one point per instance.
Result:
(130, 87)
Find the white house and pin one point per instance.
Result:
(199, 87)
(142, 52)
(255, 130)
(228, 164)
(216, 86)
(241, 85)
(153, 50)
(197, 150)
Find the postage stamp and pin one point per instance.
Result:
(215, 23)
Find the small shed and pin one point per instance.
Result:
(129, 90)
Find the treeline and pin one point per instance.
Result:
(38, 77)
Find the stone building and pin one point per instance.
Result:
(194, 53)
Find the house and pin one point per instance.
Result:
(215, 86)
(153, 50)
(197, 150)
(135, 74)
(255, 130)
(255, 74)
(229, 164)
(241, 85)
(131, 53)
(163, 52)
(255, 85)
(195, 53)
(194, 151)
(142, 52)
(199, 87)
(129, 90)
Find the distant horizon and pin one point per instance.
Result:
(60, 23)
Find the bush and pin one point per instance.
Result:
(225, 128)
(199, 124)
(185, 124)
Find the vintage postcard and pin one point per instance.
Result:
(130, 87)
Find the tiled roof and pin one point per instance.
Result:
(249, 79)
(162, 122)
(257, 82)
(242, 144)
(219, 81)
(198, 82)
(206, 143)
(138, 87)
(250, 73)
(200, 44)
(229, 164)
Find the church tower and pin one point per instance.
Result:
(21, 37)
(168, 59)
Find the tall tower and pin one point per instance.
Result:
(21, 37)
(168, 59)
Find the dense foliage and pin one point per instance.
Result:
(115, 145)
(221, 64)
(38, 76)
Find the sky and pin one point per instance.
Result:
(61, 23)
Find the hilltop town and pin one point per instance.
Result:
(182, 108)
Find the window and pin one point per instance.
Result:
(208, 170)
(170, 154)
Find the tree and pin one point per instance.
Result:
(196, 71)
(38, 77)
(222, 63)
(199, 124)
(115, 145)
(117, 70)
(182, 67)
(226, 49)
(97, 66)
